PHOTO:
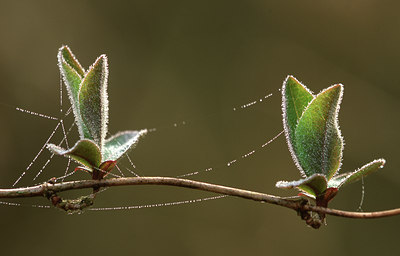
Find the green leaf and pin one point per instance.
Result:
(93, 102)
(85, 152)
(67, 56)
(314, 185)
(295, 99)
(351, 177)
(337, 181)
(117, 145)
(318, 143)
(72, 74)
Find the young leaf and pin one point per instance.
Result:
(83, 168)
(117, 145)
(314, 185)
(104, 169)
(323, 199)
(72, 74)
(295, 98)
(84, 152)
(347, 178)
(318, 143)
(93, 101)
(337, 181)
(67, 56)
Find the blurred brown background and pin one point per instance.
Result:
(174, 61)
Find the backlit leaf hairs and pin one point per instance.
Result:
(315, 142)
(87, 92)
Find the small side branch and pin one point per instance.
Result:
(297, 203)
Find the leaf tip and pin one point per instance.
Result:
(281, 184)
(295, 98)
(380, 160)
(356, 175)
(93, 99)
(65, 55)
(55, 149)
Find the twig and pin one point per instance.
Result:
(298, 204)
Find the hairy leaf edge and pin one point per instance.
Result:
(286, 125)
(336, 123)
(141, 133)
(348, 175)
(74, 58)
(103, 96)
(75, 108)
(67, 152)
(297, 183)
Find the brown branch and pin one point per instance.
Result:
(298, 204)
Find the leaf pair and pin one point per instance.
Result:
(87, 92)
(315, 142)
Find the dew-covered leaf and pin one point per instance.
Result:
(351, 177)
(117, 145)
(85, 152)
(71, 60)
(314, 185)
(295, 98)
(318, 143)
(337, 181)
(72, 74)
(93, 100)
